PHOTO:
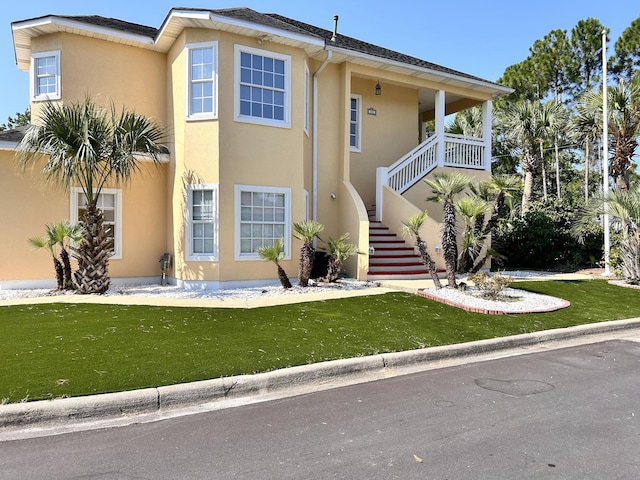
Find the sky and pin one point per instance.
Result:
(478, 37)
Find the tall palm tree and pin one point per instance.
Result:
(306, 231)
(90, 147)
(444, 189)
(273, 253)
(527, 126)
(587, 128)
(623, 124)
(338, 250)
(412, 227)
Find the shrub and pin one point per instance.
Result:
(490, 286)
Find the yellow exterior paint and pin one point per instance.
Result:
(225, 152)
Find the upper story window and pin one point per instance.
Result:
(263, 87)
(45, 76)
(202, 222)
(202, 80)
(110, 204)
(355, 123)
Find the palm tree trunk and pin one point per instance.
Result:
(527, 192)
(333, 270)
(428, 262)
(66, 266)
(555, 144)
(59, 273)
(586, 171)
(284, 279)
(449, 245)
(307, 255)
(93, 252)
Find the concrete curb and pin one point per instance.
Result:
(151, 400)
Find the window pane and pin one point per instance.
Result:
(256, 62)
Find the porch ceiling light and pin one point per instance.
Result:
(378, 89)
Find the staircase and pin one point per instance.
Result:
(390, 258)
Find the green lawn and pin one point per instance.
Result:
(56, 349)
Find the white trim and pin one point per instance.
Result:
(358, 146)
(117, 240)
(214, 80)
(307, 98)
(286, 123)
(34, 79)
(238, 189)
(190, 256)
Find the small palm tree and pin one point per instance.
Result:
(63, 233)
(273, 253)
(306, 231)
(412, 227)
(444, 188)
(623, 208)
(49, 243)
(471, 209)
(339, 251)
(90, 147)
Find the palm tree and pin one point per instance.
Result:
(623, 124)
(49, 243)
(90, 147)
(444, 188)
(623, 208)
(412, 227)
(306, 231)
(338, 250)
(497, 190)
(273, 253)
(471, 210)
(63, 233)
(527, 125)
(587, 128)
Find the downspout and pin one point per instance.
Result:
(314, 187)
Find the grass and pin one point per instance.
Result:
(54, 350)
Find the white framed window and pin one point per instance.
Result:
(45, 76)
(262, 87)
(202, 81)
(202, 222)
(262, 215)
(355, 123)
(110, 203)
(307, 99)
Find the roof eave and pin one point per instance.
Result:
(446, 77)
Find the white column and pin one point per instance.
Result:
(440, 94)
(487, 108)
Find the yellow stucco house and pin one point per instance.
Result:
(271, 121)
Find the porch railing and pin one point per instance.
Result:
(457, 151)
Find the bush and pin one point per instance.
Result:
(490, 286)
(542, 239)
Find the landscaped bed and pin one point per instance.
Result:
(54, 350)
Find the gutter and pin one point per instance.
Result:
(314, 188)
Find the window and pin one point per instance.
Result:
(262, 87)
(202, 81)
(202, 222)
(109, 202)
(355, 122)
(45, 76)
(262, 216)
(307, 100)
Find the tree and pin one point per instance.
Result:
(552, 60)
(92, 147)
(627, 54)
(623, 208)
(444, 188)
(412, 227)
(49, 243)
(467, 122)
(306, 231)
(273, 253)
(586, 49)
(472, 210)
(63, 233)
(339, 250)
(586, 128)
(20, 120)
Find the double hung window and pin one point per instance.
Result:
(262, 87)
(202, 222)
(45, 73)
(202, 81)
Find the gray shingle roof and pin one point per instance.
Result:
(273, 20)
(13, 135)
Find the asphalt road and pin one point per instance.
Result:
(571, 413)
